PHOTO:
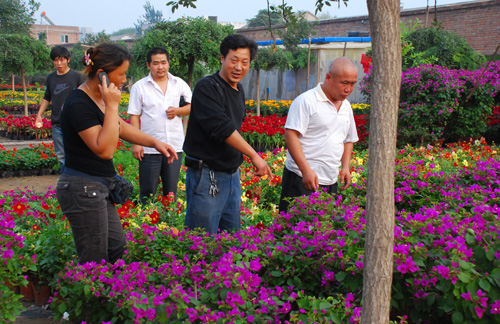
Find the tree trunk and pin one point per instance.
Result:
(258, 92)
(386, 82)
(426, 14)
(308, 63)
(189, 82)
(13, 83)
(25, 92)
(296, 73)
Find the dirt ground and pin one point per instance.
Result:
(35, 315)
(35, 183)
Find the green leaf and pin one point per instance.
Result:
(484, 284)
(490, 254)
(276, 274)
(431, 299)
(457, 318)
(464, 265)
(61, 308)
(325, 305)
(340, 276)
(335, 319)
(470, 239)
(464, 277)
(87, 290)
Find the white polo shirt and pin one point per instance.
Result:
(149, 102)
(323, 133)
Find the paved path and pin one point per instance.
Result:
(10, 144)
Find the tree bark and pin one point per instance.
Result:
(386, 82)
(23, 77)
(308, 63)
(258, 92)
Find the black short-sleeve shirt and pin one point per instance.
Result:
(58, 87)
(80, 113)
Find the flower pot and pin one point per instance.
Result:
(41, 294)
(44, 171)
(438, 143)
(23, 173)
(7, 173)
(27, 292)
(15, 289)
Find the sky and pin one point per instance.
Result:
(113, 15)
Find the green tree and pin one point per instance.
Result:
(191, 3)
(297, 28)
(124, 31)
(77, 53)
(268, 59)
(262, 18)
(21, 53)
(92, 40)
(16, 16)
(150, 18)
(78, 50)
(450, 50)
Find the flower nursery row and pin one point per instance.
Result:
(280, 107)
(19, 87)
(304, 266)
(23, 128)
(37, 159)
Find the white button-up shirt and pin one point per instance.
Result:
(323, 133)
(148, 101)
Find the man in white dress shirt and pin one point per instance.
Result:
(320, 133)
(156, 108)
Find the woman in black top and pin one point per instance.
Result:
(91, 128)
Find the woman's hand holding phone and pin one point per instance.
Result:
(110, 93)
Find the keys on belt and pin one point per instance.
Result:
(198, 165)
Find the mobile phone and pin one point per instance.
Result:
(101, 75)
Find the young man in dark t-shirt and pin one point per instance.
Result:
(214, 147)
(59, 85)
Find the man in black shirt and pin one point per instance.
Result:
(59, 85)
(214, 147)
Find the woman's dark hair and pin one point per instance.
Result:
(105, 56)
(233, 42)
(156, 51)
(59, 51)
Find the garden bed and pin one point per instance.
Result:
(306, 265)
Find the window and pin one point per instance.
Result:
(64, 38)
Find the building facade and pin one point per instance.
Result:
(478, 22)
(56, 35)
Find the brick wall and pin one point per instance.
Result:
(54, 33)
(478, 22)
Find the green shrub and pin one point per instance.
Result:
(451, 50)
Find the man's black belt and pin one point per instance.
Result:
(200, 164)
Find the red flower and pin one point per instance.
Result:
(19, 208)
(155, 217)
(260, 226)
